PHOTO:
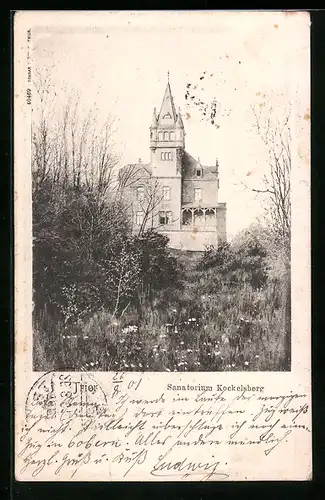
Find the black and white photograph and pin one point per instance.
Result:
(161, 164)
(162, 246)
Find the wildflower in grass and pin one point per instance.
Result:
(132, 366)
(246, 363)
(92, 364)
(87, 364)
(209, 354)
(189, 350)
(162, 336)
(182, 343)
(163, 350)
(217, 353)
(167, 370)
(86, 337)
(257, 356)
(233, 365)
(126, 366)
(63, 336)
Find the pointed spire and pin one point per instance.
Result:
(167, 110)
(179, 121)
(154, 119)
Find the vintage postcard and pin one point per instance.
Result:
(162, 246)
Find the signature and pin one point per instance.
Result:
(184, 468)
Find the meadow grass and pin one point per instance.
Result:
(208, 325)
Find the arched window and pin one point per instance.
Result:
(166, 136)
(170, 156)
(172, 136)
(162, 156)
(160, 136)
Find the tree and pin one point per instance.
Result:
(276, 137)
(273, 126)
(131, 176)
(124, 278)
(79, 224)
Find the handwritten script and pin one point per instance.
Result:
(74, 424)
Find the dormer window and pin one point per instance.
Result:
(198, 172)
(167, 115)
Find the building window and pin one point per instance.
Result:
(167, 156)
(166, 193)
(166, 136)
(198, 172)
(160, 136)
(172, 136)
(140, 193)
(197, 194)
(139, 218)
(165, 218)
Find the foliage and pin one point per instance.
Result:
(243, 262)
(201, 319)
(107, 299)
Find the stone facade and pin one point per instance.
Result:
(174, 193)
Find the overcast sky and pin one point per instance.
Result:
(118, 63)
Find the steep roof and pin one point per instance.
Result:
(190, 165)
(167, 107)
(129, 174)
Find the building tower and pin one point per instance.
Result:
(167, 139)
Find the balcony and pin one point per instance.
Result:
(199, 219)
